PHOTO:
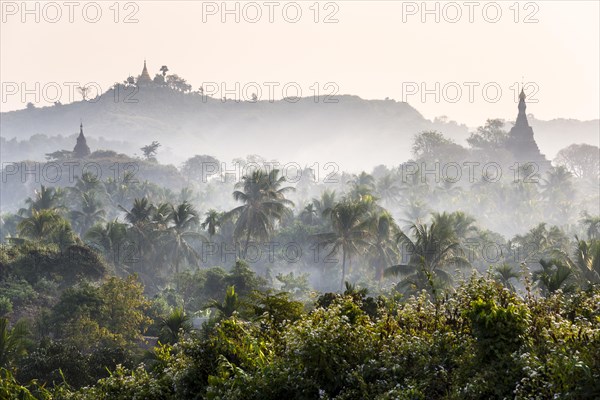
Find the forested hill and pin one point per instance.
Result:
(305, 131)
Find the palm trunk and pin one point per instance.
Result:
(343, 270)
(246, 245)
(177, 268)
(379, 272)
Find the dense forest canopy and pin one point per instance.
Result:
(456, 272)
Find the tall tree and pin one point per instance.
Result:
(384, 250)
(263, 195)
(387, 190)
(592, 223)
(212, 221)
(184, 219)
(90, 212)
(350, 234)
(585, 260)
(361, 185)
(142, 226)
(150, 150)
(426, 258)
(110, 238)
(582, 160)
(43, 225)
(491, 136)
(554, 275)
(325, 203)
(504, 274)
(47, 198)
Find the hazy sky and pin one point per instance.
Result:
(376, 49)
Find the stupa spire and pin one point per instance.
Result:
(144, 78)
(81, 149)
(522, 116)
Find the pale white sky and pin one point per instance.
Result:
(377, 49)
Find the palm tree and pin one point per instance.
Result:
(12, 341)
(186, 194)
(120, 190)
(140, 213)
(554, 275)
(432, 250)
(47, 198)
(350, 234)
(42, 225)
(212, 221)
(109, 238)
(309, 214)
(140, 218)
(415, 210)
(387, 190)
(264, 205)
(558, 183)
(542, 241)
(88, 182)
(362, 184)
(593, 225)
(384, 249)
(457, 224)
(161, 216)
(504, 274)
(363, 179)
(325, 204)
(175, 323)
(91, 212)
(184, 218)
(585, 260)
(230, 305)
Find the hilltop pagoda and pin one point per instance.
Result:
(144, 79)
(81, 149)
(520, 142)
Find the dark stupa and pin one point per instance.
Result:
(81, 149)
(521, 143)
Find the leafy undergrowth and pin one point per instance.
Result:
(481, 342)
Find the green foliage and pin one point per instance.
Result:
(244, 279)
(481, 342)
(175, 324)
(17, 291)
(111, 314)
(435, 247)
(6, 306)
(499, 330)
(492, 136)
(12, 341)
(230, 304)
(53, 362)
(34, 261)
(10, 389)
(435, 337)
(263, 195)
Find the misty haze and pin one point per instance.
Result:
(295, 200)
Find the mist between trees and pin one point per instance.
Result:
(226, 273)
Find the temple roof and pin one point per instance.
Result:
(522, 116)
(145, 76)
(81, 149)
(521, 142)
